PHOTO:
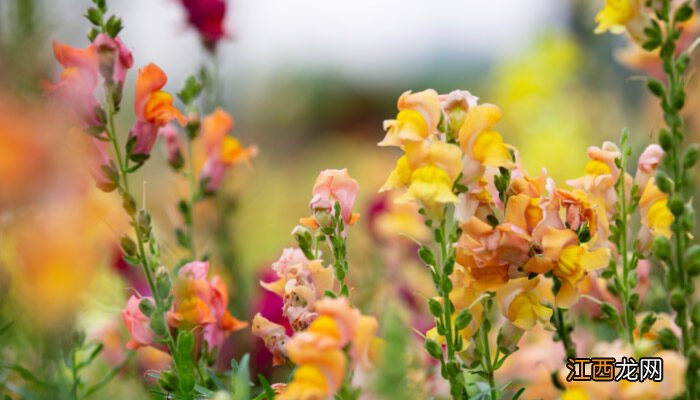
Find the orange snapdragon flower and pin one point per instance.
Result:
(222, 151)
(154, 109)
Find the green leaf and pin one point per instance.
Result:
(240, 380)
(184, 357)
(94, 16)
(269, 393)
(684, 12)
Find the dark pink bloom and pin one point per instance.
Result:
(207, 16)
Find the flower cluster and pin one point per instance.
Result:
(198, 305)
(319, 351)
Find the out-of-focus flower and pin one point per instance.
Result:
(635, 57)
(273, 335)
(646, 166)
(335, 186)
(115, 58)
(198, 302)
(173, 147)
(620, 16)
(656, 217)
(154, 109)
(137, 324)
(300, 283)
(207, 16)
(673, 384)
(78, 81)
(215, 334)
(222, 151)
(318, 351)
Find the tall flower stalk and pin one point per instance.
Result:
(663, 33)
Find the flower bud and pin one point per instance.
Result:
(665, 140)
(323, 218)
(691, 156)
(661, 247)
(463, 319)
(433, 349)
(163, 282)
(676, 205)
(678, 299)
(692, 260)
(667, 339)
(144, 218)
(127, 245)
(435, 307)
(664, 184)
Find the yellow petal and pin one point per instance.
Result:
(478, 119)
(490, 150)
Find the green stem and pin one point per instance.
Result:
(629, 322)
(126, 193)
(563, 331)
(487, 363)
(192, 198)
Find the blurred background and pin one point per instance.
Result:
(310, 82)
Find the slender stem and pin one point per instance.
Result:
(126, 193)
(563, 331)
(193, 197)
(623, 209)
(488, 363)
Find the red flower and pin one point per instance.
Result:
(207, 16)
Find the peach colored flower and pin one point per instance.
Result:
(114, 56)
(647, 164)
(137, 323)
(418, 118)
(78, 81)
(273, 335)
(222, 151)
(335, 186)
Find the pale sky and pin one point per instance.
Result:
(363, 39)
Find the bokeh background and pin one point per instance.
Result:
(310, 82)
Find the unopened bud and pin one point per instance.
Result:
(127, 245)
(676, 205)
(692, 260)
(323, 218)
(691, 156)
(678, 299)
(661, 247)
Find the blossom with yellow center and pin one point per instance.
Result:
(418, 118)
(655, 215)
(620, 16)
(432, 187)
(521, 301)
(574, 263)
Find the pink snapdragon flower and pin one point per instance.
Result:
(114, 56)
(137, 324)
(335, 186)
